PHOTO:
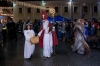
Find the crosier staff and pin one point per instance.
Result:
(52, 11)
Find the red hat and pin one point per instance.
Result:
(44, 15)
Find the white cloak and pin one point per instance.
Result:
(28, 47)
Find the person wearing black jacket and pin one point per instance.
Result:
(71, 32)
(11, 29)
(67, 29)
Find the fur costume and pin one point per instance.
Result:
(80, 44)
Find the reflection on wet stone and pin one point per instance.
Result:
(27, 63)
(2, 56)
(14, 52)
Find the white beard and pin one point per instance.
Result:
(45, 24)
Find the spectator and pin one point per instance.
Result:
(92, 30)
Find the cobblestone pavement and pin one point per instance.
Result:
(13, 53)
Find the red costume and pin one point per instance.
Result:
(54, 36)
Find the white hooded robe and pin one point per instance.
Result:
(28, 47)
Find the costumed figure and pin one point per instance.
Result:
(80, 44)
(47, 37)
(28, 47)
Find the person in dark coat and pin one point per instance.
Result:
(1, 33)
(67, 28)
(11, 29)
(71, 33)
(4, 32)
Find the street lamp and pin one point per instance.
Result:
(43, 3)
(14, 4)
(70, 0)
(71, 9)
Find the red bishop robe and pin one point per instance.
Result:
(54, 37)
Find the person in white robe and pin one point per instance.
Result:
(28, 47)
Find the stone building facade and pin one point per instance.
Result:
(67, 9)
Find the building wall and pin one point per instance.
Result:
(60, 4)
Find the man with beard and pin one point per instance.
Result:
(47, 37)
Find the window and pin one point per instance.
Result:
(47, 10)
(95, 9)
(38, 10)
(56, 9)
(65, 9)
(85, 8)
(75, 9)
(20, 10)
(29, 10)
